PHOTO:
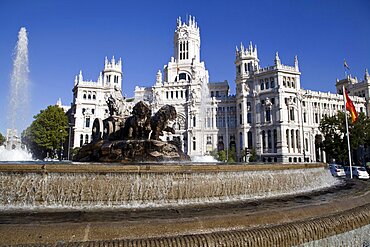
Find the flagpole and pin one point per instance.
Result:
(348, 143)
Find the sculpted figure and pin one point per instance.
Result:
(112, 106)
(159, 122)
(137, 126)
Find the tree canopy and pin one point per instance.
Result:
(335, 139)
(2, 139)
(47, 132)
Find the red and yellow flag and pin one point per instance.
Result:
(351, 108)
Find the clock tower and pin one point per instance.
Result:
(187, 41)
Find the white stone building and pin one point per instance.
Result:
(89, 100)
(270, 112)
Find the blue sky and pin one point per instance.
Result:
(66, 36)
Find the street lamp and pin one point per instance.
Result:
(303, 139)
(69, 140)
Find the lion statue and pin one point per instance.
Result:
(160, 121)
(137, 126)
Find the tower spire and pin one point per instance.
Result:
(277, 59)
(296, 62)
(367, 74)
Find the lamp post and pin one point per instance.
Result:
(303, 140)
(69, 140)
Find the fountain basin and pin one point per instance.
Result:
(224, 213)
(89, 186)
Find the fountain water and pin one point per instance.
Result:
(205, 110)
(19, 83)
(12, 151)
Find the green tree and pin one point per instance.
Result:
(47, 132)
(335, 139)
(253, 155)
(222, 155)
(2, 139)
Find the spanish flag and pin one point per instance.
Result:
(351, 108)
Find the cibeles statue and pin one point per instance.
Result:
(116, 104)
(133, 138)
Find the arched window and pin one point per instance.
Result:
(262, 86)
(263, 139)
(269, 139)
(182, 76)
(86, 138)
(268, 115)
(84, 96)
(287, 139)
(81, 140)
(250, 140)
(272, 82)
(94, 96)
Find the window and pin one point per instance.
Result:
(182, 76)
(249, 117)
(275, 139)
(306, 144)
(304, 117)
(316, 118)
(263, 139)
(262, 86)
(84, 97)
(93, 111)
(291, 114)
(209, 140)
(171, 94)
(194, 121)
(267, 83)
(272, 82)
(167, 95)
(88, 122)
(81, 140)
(83, 110)
(94, 96)
(177, 94)
(250, 143)
(182, 94)
(268, 115)
(86, 138)
(297, 138)
(238, 69)
(269, 140)
(89, 97)
(287, 138)
(194, 144)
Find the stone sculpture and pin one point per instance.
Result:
(159, 122)
(137, 126)
(134, 138)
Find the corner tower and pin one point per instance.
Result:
(112, 73)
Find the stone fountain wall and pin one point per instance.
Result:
(152, 186)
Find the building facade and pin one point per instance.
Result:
(269, 113)
(89, 100)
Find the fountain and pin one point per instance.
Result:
(132, 139)
(13, 150)
(130, 188)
